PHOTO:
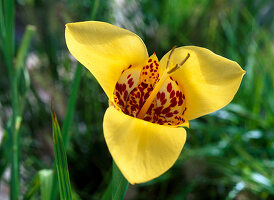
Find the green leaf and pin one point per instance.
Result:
(46, 181)
(119, 183)
(32, 188)
(60, 160)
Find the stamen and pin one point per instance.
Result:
(171, 52)
(178, 66)
(158, 86)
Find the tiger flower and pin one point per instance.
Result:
(150, 101)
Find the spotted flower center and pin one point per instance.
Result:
(142, 93)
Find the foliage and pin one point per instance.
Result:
(228, 154)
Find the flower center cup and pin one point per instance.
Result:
(141, 93)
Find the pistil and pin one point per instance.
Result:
(168, 72)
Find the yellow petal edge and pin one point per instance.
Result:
(105, 50)
(209, 81)
(141, 150)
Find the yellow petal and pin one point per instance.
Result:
(208, 81)
(142, 150)
(105, 50)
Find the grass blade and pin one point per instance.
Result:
(119, 184)
(60, 160)
(71, 104)
(32, 188)
(46, 179)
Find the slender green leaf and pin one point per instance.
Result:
(46, 179)
(32, 188)
(24, 46)
(71, 104)
(119, 183)
(60, 160)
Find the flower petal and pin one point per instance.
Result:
(142, 150)
(105, 50)
(209, 81)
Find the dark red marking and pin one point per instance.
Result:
(172, 94)
(169, 115)
(166, 110)
(149, 60)
(169, 87)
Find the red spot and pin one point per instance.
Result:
(184, 110)
(128, 76)
(145, 73)
(149, 60)
(147, 118)
(158, 110)
(129, 66)
(175, 112)
(158, 95)
(124, 87)
(171, 78)
(177, 93)
(147, 67)
(164, 101)
(156, 63)
(172, 94)
(118, 95)
(121, 103)
(130, 82)
(169, 115)
(169, 87)
(180, 102)
(166, 110)
(176, 83)
(173, 102)
(184, 96)
(162, 97)
(125, 94)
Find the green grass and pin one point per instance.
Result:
(228, 154)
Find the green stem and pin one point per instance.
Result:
(119, 183)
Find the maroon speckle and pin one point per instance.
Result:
(158, 95)
(166, 110)
(125, 94)
(164, 101)
(124, 87)
(147, 118)
(158, 110)
(149, 60)
(172, 94)
(162, 97)
(175, 112)
(169, 115)
(180, 102)
(184, 96)
(169, 87)
(128, 76)
(147, 67)
(184, 110)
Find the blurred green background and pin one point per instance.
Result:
(229, 154)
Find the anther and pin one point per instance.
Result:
(177, 66)
(171, 52)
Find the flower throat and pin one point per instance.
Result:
(141, 93)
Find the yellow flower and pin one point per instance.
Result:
(149, 99)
